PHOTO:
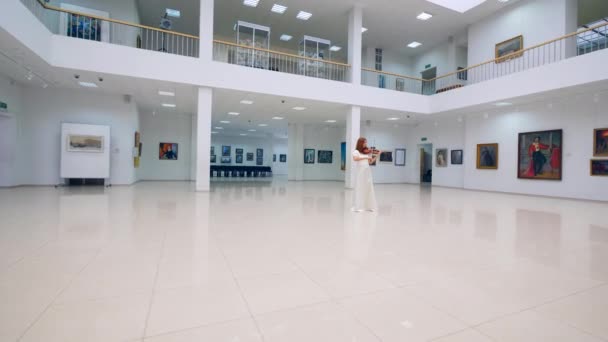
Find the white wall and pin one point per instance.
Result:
(42, 115)
(167, 128)
(248, 144)
(317, 137)
(388, 138)
(9, 131)
(279, 146)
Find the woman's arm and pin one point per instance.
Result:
(358, 158)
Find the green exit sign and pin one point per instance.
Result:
(423, 139)
(427, 66)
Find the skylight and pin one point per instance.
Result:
(424, 16)
(173, 13)
(458, 5)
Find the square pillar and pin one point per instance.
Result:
(295, 147)
(355, 24)
(353, 133)
(206, 30)
(203, 138)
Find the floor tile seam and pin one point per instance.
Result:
(452, 334)
(100, 299)
(58, 295)
(34, 252)
(153, 292)
(192, 328)
(569, 324)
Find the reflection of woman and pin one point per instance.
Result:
(364, 196)
(537, 158)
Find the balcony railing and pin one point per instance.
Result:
(279, 61)
(74, 24)
(387, 80)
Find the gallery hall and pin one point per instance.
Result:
(304, 170)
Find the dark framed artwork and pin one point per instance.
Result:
(400, 157)
(212, 150)
(600, 142)
(238, 151)
(213, 158)
(326, 157)
(238, 159)
(386, 157)
(249, 156)
(259, 153)
(487, 156)
(599, 167)
(259, 161)
(167, 151)
(274, 158)
(226, 151)
(540, 155)
(441, 157)
(283, 158)
(508, 49)
(309, 156)
(456, 157)
(226, 160)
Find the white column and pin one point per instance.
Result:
(451, 56)
(206, 30)
(203, 138)
(355, 23)
(193, 149)
(295, 156)
(353, 132)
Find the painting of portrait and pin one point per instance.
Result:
(239, 159)
(441, 157)
(167, 151)
(238, 151)
(213, 158)
(456, 157)
(325, 157)
(226, 160)
(283, 158)
(259, 153)
(309, 156)
(600, 142)
(540, 155)
(487, 156)
(599, 167)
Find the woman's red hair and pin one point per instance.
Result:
(360, 144)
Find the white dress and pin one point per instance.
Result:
(364, 196)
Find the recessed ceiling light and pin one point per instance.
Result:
(286, 37)
(424, 16)
(503, 0)
(213, 132)
(173, 13)
(243, 134)
(279, 8)
(414, 45)
(458, 5)
(335, 48)
(252, 130)
(247, 102)
(225, 122)
(392, 119)
(277, 118)
(234, 113)
(299, 108)
(251, 3)
(363, 30)
(330, 121)
(166, 93)
(302, 15)
(218, 127)
(502, 104)
(88, 84)
(169, 105)
(263, 125)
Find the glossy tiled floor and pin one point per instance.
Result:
(289, 262)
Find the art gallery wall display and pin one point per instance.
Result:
(326, 157)
(274, 158)
(259, 153)
(386, 157)
(343, 156)
(487, 156)
(226, 160)
(456, 157)
(441, 157)
(85, 143)
(137, 155)
(238, 151)
(239, 159)
(540, 155)
(599, 167)
(249, 156)
(167, 151)
(259, 161)
(600, 142)
(309, 156)
(212, 150)
(400, 157)
(226, 151)
(508, 47)
(3, 107)
(283, 158)
(213, 158)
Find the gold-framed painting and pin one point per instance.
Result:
(487, 156)
(508, 49)
(600, 142)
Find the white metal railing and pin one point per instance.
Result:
(278, 61)
(74, 24)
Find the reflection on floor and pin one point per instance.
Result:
(284, 261)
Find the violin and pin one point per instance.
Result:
(371, 150)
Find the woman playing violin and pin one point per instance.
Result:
(364, 196)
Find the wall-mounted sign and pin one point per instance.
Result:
(3, 107)
(427, 66)
(423, 139)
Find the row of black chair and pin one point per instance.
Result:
(240, 171)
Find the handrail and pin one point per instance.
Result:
(393, 74)
(122, 22)
(280, 53)
(517, 53)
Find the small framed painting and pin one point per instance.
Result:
(599, 167)
(386, 157)
(249, 156)
(226, 151)
(238, 151)
(239, 159)
(400, 157)
(441, 157)
(487, 156)
(325, 157)
(259, 161)
(85, 143)
(213, 159)
(167, 151)
(259, 153)
(507, 50)
(212, 150)
(274, 158)
(309, 156)
(456, 157)
(283, 158)
(226, 160)
(600, 142)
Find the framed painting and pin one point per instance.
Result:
(343, 156)
(506, 50)
(239, 159)
(456, 157)
(259, 153)
(167, 151)
(309, 156)
(325, 157)
(599, 167)
(441, 157)
(226, 160)
(213, 159)
(386, 157)
(212, 150)
(238, 151)
(600, 142)
(226, 151)
(274, 158)
(249, 156)
(487, 156)
(136, 154)
(540, 155)
(259, 161)
(400, 157)
(85, 143)
(283, 158)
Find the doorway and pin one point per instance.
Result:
(428, 87)
(426, 163)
